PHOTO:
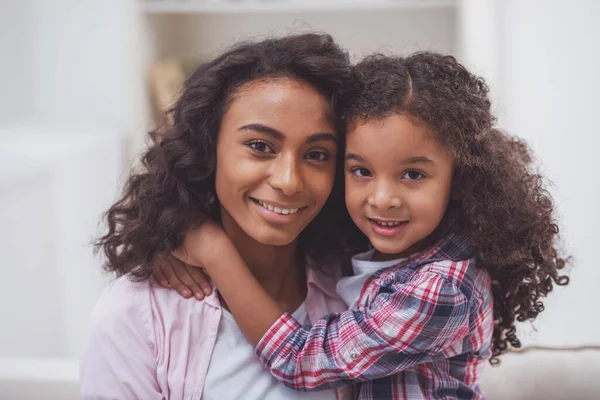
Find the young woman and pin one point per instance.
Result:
(253, 145)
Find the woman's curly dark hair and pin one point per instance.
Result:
(499, 200)
(175, 189)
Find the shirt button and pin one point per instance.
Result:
(353, 355)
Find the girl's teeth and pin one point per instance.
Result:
(383, 223)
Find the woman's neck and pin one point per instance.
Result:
(279, 269)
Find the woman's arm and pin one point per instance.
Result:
(412, 323)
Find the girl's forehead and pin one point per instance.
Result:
(393, 139)
(394, 128)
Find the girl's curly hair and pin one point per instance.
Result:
(499, 200)
(175, 189)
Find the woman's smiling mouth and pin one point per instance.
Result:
(277, 213)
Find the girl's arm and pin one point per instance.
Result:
(410, 323)
(253, 309)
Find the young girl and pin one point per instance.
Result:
(463, 235)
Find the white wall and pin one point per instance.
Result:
(550, 85)
(16, 66)
(73, 93)
(478, 41)
(73, 63)
(54, 185)
(88, 66)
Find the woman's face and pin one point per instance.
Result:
(276, 154)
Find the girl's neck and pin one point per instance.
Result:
(279, 269)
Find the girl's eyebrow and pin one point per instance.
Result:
(416, 160)
(409, 160)
(352, 156)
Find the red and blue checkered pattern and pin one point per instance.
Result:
(422, 330)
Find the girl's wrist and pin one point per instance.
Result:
(204, 245)
(220, 246)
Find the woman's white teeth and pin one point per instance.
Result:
(284, 211)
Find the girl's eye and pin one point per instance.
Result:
(317, 155)
(260, 146)
(361, 172)
(413, 175)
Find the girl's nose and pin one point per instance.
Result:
(384, 196)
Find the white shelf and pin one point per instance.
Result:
(258, 6)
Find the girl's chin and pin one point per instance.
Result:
(387, 246)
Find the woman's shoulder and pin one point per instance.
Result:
(122, 301)
(130, 302)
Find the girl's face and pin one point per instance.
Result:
(398, 181)
(276, 154)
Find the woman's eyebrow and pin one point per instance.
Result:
(322, 136)
(263, 129)
(280, 136)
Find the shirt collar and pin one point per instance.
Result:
(453, 247)
(326, 283)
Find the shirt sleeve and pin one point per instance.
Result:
(406, 324)
(118, 360)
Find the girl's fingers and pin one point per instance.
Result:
(201, 279)
(183, 275)
(168, 269)
(159, 275)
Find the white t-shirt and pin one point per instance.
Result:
(349, 287)
(235, 372)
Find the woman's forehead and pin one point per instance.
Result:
(282, 104)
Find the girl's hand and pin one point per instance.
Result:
(187, 280)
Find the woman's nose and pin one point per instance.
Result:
(286, 176)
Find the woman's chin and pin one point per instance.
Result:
(274, 238)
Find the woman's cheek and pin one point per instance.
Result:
(321, 183)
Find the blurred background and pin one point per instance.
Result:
(80, 84)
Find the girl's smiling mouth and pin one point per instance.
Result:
(387, 227)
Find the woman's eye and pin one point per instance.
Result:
(413, 175)
(361, 172)
(317, 156)
(261, 147)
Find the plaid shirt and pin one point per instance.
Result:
(421, 330)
